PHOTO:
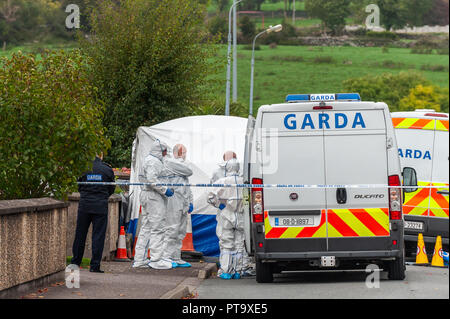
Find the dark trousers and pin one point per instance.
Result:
(99, 224)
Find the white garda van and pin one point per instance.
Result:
(423, 144)
(324, 139)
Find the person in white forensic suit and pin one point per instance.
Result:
(154, 205)
(220, 171)
(230, 222)
(178, 207)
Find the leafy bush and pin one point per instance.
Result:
(282, 37)
(217, 107)
(218, 26)
(434, 68)
(50, 124)
(425, 97)
(149, 63)
(248, 29)
(443, 51)
(332, 13)
(382, 35)
(389, 64)
(389, 88)
(288, 58)
(421, 50)
(324, 59)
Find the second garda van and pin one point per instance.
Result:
(325, 145)
(423, 144)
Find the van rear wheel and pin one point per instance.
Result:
(396, 269)
(264, 273)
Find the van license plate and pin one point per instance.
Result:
(413, 225)
(328, 261)
(293, 221)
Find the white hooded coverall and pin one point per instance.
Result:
(230, 220)
(178, 172)
(153, 201)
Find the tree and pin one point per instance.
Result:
(396, 14)
(50, 124)
(221, 5)
(149, 63)
(248, 29)
(218, 26)
(393, 13)
(32, 20)
(8, 11)
(252, 4)
(331, 12)
(438, 14)
(417, 10)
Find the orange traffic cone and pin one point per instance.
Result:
(188, 244)
(421, 256)
(438, 260)
(121, 254)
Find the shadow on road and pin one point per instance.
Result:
(325, 277)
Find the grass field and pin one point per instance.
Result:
(268, 8)
(300, 69)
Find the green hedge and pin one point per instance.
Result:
(50, 124)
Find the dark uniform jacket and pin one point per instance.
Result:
(94, 198)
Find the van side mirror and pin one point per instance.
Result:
(410, 179)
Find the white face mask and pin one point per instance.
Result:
(232, 167)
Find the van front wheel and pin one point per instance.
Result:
(264, 273)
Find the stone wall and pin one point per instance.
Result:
(112, 231)
(33, 240)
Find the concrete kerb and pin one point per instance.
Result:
(208, 271)
(188, 286)
(179, 292)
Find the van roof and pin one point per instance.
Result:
(308, 106)
(421, 114)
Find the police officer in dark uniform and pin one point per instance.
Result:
(93, 208)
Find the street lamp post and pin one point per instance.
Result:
(293, 12)
(227, 98)
(234, 86)
(276, 28)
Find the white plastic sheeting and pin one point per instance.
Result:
(206, 139)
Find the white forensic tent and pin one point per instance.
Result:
(206, 139)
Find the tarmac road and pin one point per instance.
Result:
(420, 283)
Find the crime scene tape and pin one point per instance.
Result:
(255, 185)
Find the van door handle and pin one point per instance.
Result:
(341, 195)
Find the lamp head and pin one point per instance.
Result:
(276, 28)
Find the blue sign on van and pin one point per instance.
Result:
(341, 121)
(415, 154)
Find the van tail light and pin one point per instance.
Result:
(395, 198)
(257, 201)
(322, 107)
(436, 115)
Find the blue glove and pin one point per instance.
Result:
(191, 208)
(169, 192)
(222, 206)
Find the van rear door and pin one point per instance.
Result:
(355, 147)
(440, 173)
(415, 148)
(292, 212)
